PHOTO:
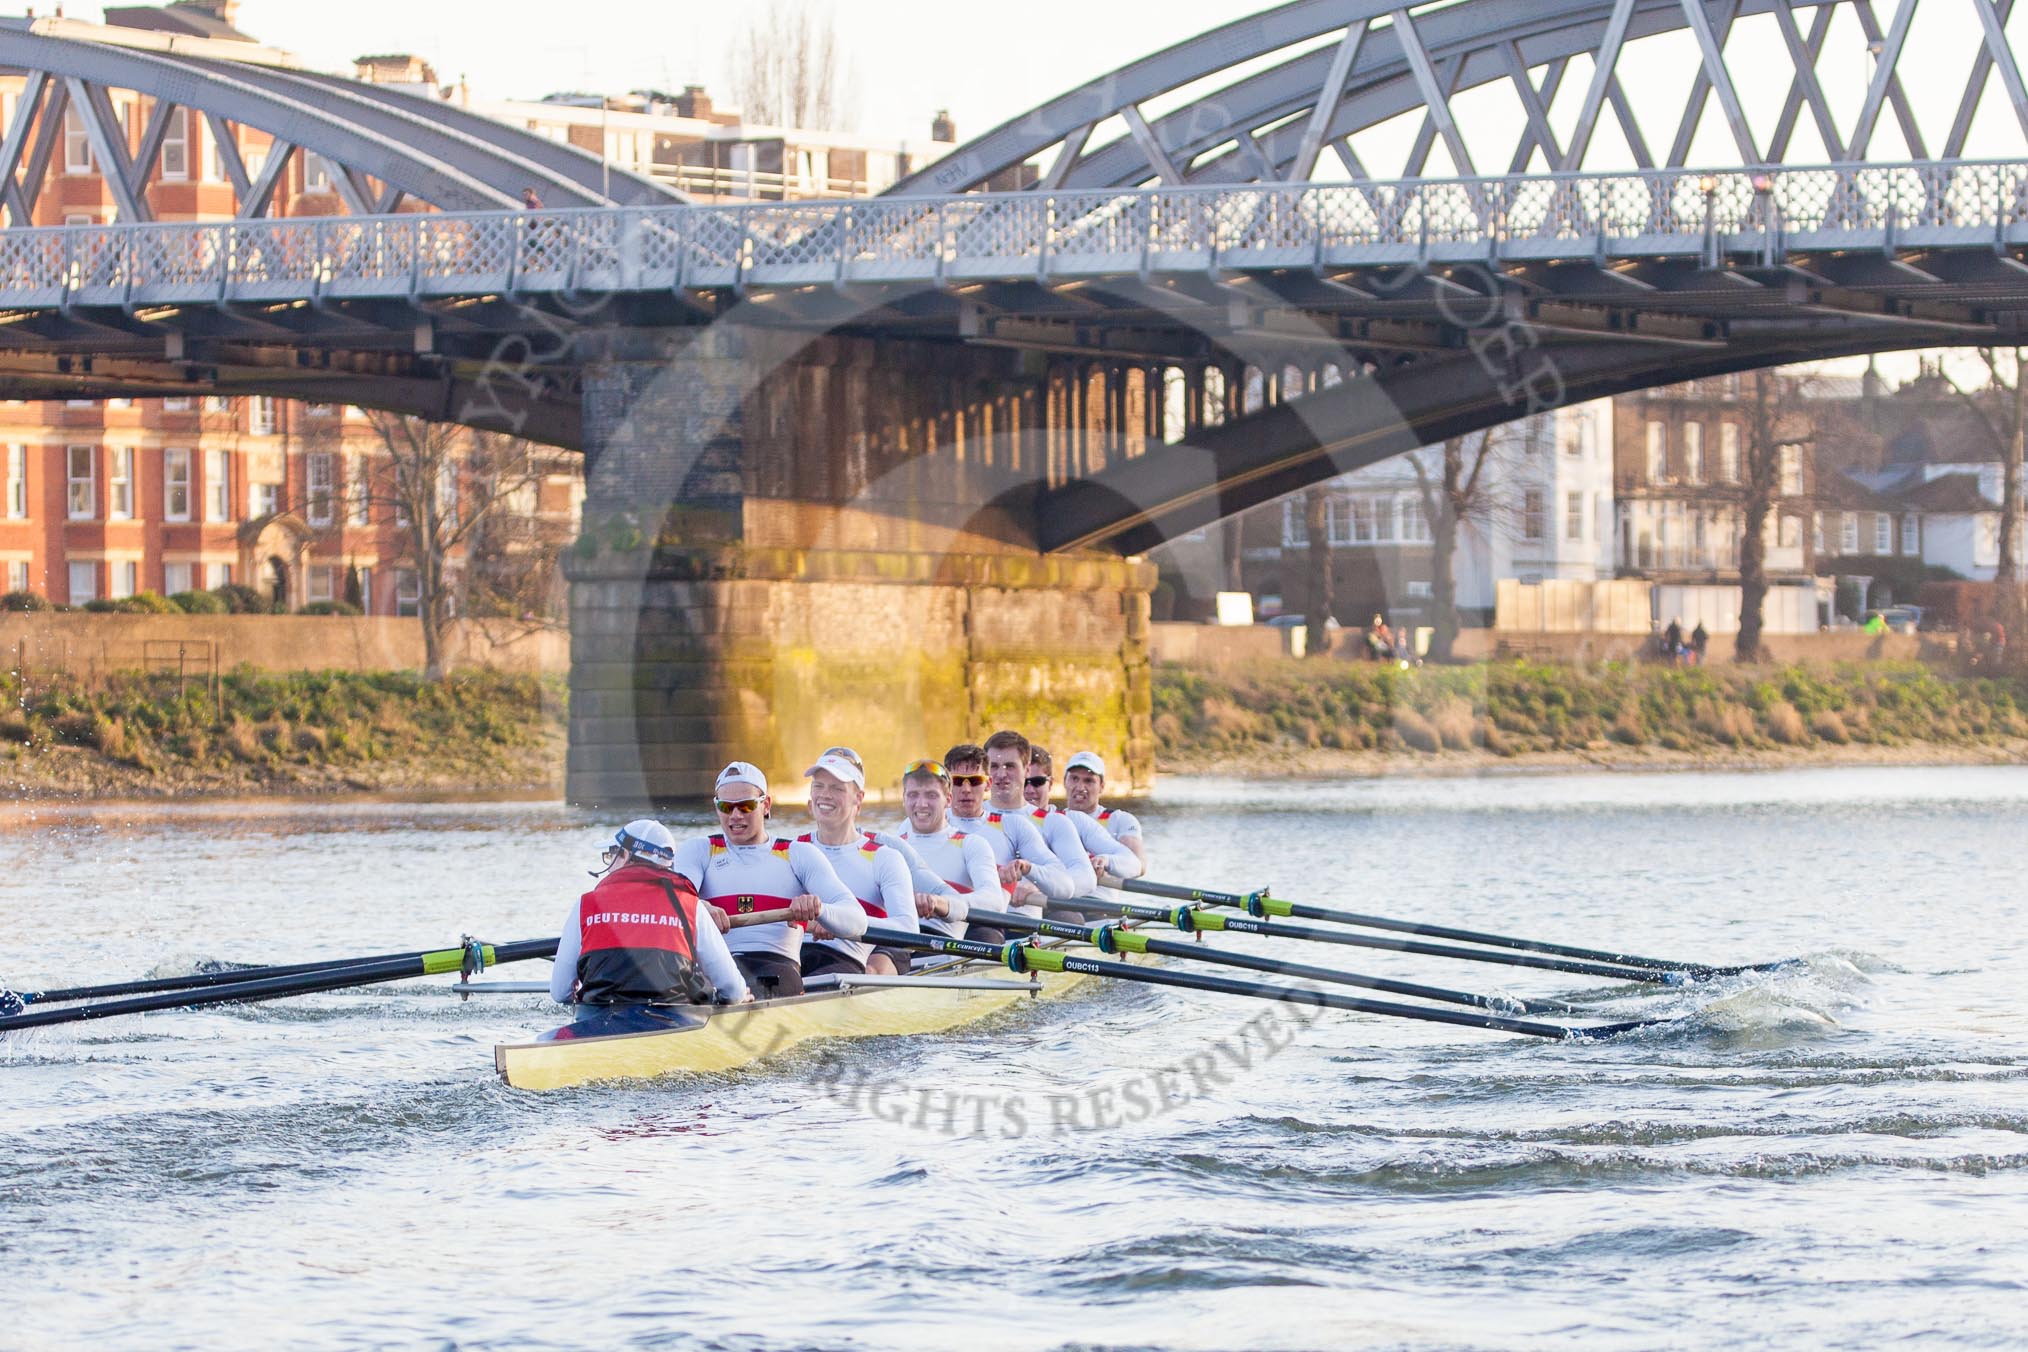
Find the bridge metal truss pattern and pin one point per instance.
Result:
(1311, 76)
(385, 146)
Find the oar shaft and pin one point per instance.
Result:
(1025, 958)
(274, 987)
(1263, 906)
(1111, 940)
(1197, 921)
(201, 980)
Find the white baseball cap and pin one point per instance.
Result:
(1086, 760)
(839, 766)
(742, 772)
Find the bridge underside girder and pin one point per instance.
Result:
(1422, 353)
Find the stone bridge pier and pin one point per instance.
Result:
(794, 543)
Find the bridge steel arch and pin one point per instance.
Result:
(1380, 59)
(385, 146)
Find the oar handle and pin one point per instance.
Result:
(747, 919)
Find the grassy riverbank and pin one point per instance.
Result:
(319, 732)
(1333, 717)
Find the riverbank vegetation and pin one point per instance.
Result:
(1339, 715)
(140, 735)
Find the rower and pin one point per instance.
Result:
(740, 869)
(1029, 872)
(963, 861)
(1007, 766)
(1108, 856)
(1084, 780)
(642, 937)
(878, 873)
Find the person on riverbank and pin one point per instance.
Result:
(1106, 854)
(1700, 639)
(1007, 755)
(1029, 872)
(1672, 643)
(740, 869)
(1084, 781)
(642, 936)
(1380, 640)
(963, 860)
(877, 872)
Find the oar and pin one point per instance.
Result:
(1023, 958)
(1111, 939)
(202, 980)
(472, 957)
(1183, 918)
(1261, 905)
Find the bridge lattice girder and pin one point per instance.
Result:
(385, 145)
(1341, 68)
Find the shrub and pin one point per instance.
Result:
(101, 606)
(23, 601)
(1785, 725)
(1453, 722)
(1416, 731)
(1827, 724)
(1628, 728)
(240, 599)
(330, 608)
(13, 725)
(200, 603)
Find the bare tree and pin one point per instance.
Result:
(1771, 405)
(2004, 417)
(787, 70)
(443, 483)
(1450, 497)
(1317, 605)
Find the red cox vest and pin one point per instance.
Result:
(869, 847)
(633, 947)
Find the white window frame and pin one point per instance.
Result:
(217, 486)
(17, 575)
(1693, 452)
(176, 403)
(178, 577)
(89, 573)
(1573, 517)
(1658, 451)
(1883, 533)
(123, 578)
(319, 476)
(221, 575)
(408, 591)
(120, 483)
(1791, 532)
(1383, 521)
(1533, 509)
(176, 147)
(366, 590)
(1791, 485)
(1911, 534)
(17, 482)
(1728, 452)
(263, 419)
(1848, 533)
(77, 143)
(82, 500)
(264, 500)
(317, 583)
(175, 478)
(358, 494)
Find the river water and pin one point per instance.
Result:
(1836, 1156)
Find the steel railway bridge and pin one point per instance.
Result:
(1293, 245)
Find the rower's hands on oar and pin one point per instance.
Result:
(718, 918)
(1028, 894)
(931, 906)
(807, 910)
(1013, 872)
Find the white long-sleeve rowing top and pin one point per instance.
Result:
(878, 874)
(1120, 861)
(1060, 834)
(1012, 836)
(965, 864)
(740, 879)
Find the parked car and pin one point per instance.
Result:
(1903, 619)
(1298, 622)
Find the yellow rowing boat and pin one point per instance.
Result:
(933, 999)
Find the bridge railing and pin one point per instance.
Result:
(1040, 236)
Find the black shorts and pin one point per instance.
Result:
(986, 934)
(770, 976)
(900, 957)
(822, 960)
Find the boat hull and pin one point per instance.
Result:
(727, 1037)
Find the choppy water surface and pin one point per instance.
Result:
(1838, 1157)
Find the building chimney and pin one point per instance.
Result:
(693, 102)
(225, 11)
(942, 129)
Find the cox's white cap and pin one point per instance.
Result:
(742, 772)
(1087, 760)
(838, 766)
(648, 839)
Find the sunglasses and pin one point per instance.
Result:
(973, 780)
(743, 805)
(925, 767)
(1037, 781)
